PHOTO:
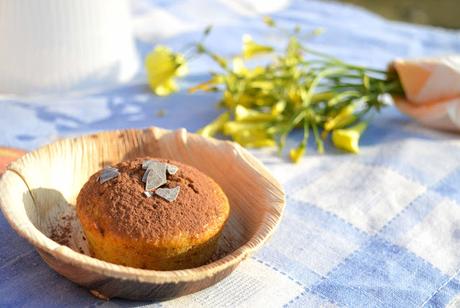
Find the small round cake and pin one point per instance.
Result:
(153, 214)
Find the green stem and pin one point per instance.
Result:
(306, 131)
(318, 140)
(315, 82)
(290, 125)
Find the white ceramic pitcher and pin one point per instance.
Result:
(53, 46)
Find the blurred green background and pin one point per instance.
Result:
(441, 13)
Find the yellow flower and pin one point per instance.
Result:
(294, 95)
(251, 48)
(256, 71)
(232, 128)
(251, 135)
(268, 21)
(296, 154)
(240, 69)
(318, 31)
(343, 118)
(278, 108)
(231, 100)
(258, 143)
(243, 114)
(347, 139)
(163, 66)
(238, 66)
(253, 138)
(215, 126)
(263, 85)
(207, 86)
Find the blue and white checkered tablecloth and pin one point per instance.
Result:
(379, 229)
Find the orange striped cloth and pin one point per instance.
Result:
(7, 155)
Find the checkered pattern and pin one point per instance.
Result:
(379, 229)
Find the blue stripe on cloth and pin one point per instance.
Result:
(449, 186)
(411, 216)
(293, 268)
(444, 295)
(409, 154)
(381, 275)
(309, 299)
(320, 242)
(16, 246)
(44, 287)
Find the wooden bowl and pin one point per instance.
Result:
(38, 193)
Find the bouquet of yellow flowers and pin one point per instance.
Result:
(298, 88)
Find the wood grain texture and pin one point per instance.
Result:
(40, 186)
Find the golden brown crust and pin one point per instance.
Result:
(120, 207)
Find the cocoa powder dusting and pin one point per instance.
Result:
(67, 231)
(120, 205)
(61, 233)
